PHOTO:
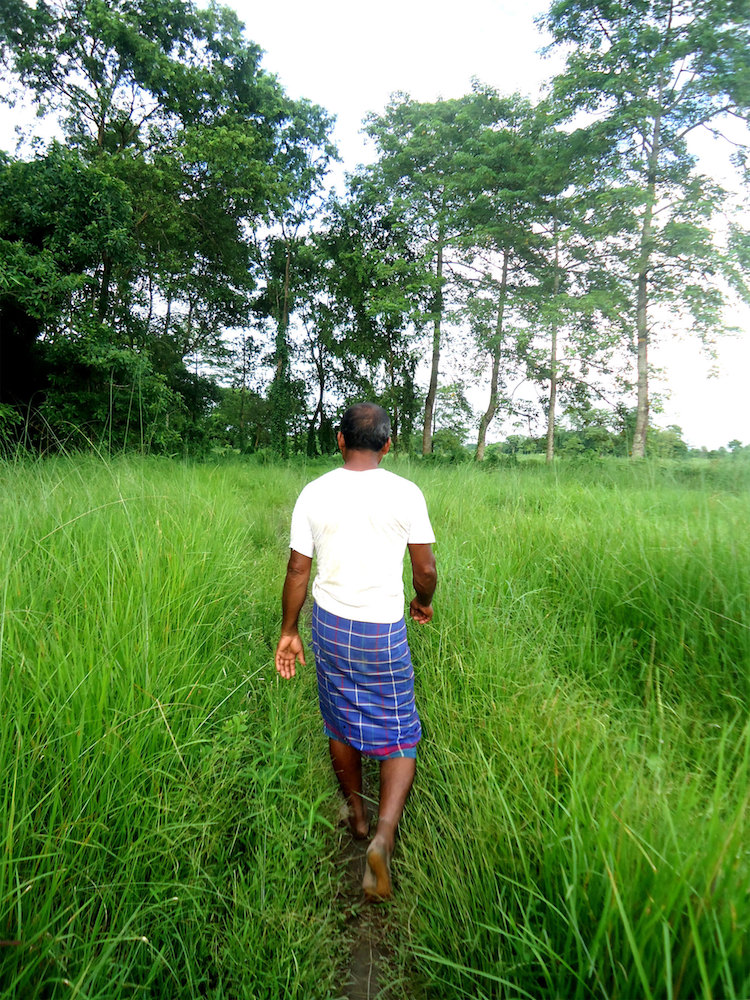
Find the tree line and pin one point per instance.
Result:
(175, 272)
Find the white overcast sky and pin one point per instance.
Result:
(350, 57)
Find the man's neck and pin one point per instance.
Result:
(360, 460)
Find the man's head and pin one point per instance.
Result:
(365, 427)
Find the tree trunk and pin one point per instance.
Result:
(243, 392)
(644, 260)
(553, 358)
(278, 393)
(150, 301)
(242, 436)
(429, 405)
(103, 304)
(497, 347)
(312, 449)
(552, 395)
(167, 316)
(393, 394)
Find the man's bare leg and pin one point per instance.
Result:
(396, 779)
(347, 766)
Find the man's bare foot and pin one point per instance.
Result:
(376, 884)
(359, 828)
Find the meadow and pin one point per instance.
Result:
(579, 824)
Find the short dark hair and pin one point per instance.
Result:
(366, 427)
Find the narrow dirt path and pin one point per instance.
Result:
(362, 975)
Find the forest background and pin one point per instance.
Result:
(178, 273)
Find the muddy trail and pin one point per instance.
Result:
(367, 972)
(363, 974)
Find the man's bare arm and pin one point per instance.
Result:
(424, 578)
(290, 648)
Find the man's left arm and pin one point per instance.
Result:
(290, 648)
(424, 578)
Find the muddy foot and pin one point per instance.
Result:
(377, 881)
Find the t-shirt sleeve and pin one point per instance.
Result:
(420, 529)
(301, 538)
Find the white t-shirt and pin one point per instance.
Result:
(358, 524)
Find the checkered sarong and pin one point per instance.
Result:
(365, 683)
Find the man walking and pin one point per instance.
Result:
(358, 521)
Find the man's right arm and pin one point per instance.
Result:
(424, 578)
(289, 648)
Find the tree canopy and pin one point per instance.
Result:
(174, 273)
(653, 73)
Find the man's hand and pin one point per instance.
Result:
(290, 648)
(421, 613)
(288, 651)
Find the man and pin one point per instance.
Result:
(358, 521)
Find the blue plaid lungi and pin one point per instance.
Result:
(365, 683)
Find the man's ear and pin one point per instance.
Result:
(340, 440)
(386, 447)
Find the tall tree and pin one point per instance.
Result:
(654, 72)
(302, 154)
(500, 239)
(382, 294)
(579, 306)
(422, 149)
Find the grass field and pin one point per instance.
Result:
(579, 825)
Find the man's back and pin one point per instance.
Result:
(358, 524)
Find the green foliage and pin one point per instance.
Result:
(187, 201)
(452, 412)
(103, 395)
(447, 444)
(240, 422)
(301, 158)
(179, 146)
(373, 291)
(425, 149)
(599, 433)
(10, 419)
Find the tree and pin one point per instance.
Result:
(539, 300)
(423, 151)
(452, 418)
(302, 155)
(49, 245)
(653, 73)
(378, 295)
(298, 287)
(580, 305)
(578, 302)
(187, 147)
(240, 421)
(171, 104)
(501, 239)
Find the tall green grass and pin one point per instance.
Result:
(579, 822)
(157, 836)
